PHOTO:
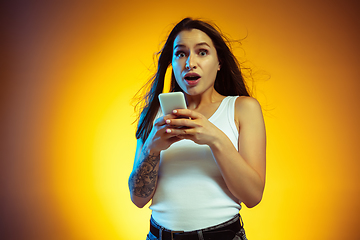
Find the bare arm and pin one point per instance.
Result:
(144, 176)
(242, 170)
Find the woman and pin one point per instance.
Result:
(198, 175)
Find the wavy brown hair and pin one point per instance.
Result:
(229, 80)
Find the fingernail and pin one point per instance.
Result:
(168, 130)
(174, 111)
(167, 121)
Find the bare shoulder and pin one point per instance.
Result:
(247, 109)
(246, 103)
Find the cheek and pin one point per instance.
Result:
(211, 67)
(176, 68)
(177, 78)
(175, 72)
(174, 65)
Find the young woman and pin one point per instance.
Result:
(198, 175)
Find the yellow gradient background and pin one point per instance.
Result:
(71, 69)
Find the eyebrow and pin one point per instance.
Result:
(198, 44)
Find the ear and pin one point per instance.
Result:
(219, 67)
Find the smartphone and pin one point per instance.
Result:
(170, 101)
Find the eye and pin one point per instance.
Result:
(203, 52)
(180, 54)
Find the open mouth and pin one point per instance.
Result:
(192, 78)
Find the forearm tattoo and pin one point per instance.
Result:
(143, 181)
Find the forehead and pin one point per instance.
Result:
(192, 37)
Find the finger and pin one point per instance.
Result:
(180, 122)
(162, 138)
(161, 120)
(179, 132)
(170, 116)
(187, 113)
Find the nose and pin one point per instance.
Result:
(190, 62)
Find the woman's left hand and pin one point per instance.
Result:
(195, 127)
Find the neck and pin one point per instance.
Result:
(195, 101)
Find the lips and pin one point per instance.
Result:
(192, 78)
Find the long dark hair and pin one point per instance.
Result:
(229, 80)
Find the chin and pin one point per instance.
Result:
(192, 92)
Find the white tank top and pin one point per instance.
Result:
(191, 192)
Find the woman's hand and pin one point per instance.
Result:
(158, 138)
(193, 126)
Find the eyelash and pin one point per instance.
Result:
(203, 51)
(177, 54)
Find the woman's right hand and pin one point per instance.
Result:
(158, 139)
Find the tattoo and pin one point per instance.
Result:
(143, 181)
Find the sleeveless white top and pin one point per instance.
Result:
(191, 193)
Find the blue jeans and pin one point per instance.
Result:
(238, 236)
